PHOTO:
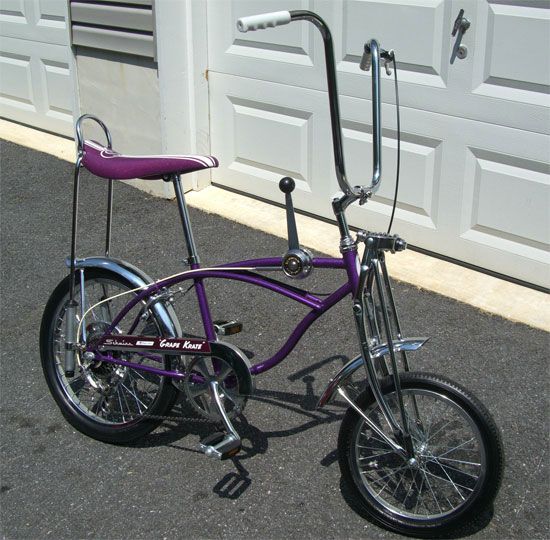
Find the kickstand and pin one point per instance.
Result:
(221, 445)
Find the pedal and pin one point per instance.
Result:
(220, 445)
(227, 328)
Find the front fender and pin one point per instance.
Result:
(408, 344)
(164, 313)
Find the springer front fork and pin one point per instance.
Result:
(377, 323)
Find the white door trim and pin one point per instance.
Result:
(182, 56)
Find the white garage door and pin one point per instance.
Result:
(35, 86)
(475, 146)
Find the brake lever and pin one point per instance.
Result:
(366, 59)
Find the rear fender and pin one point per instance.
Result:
(164, 313)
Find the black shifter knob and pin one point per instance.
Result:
(287, 185)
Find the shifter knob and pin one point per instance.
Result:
(287, 184)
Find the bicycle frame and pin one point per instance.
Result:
(239, 271)
(361, 277)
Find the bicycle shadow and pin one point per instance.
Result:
(254, 440)
(303, 404)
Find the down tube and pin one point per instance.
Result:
(299, 331)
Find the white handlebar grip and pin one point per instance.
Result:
(265, 20)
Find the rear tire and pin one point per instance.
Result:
(458, 450)
(103, 400)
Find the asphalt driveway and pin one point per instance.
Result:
(57, 483)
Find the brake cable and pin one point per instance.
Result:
(398, 142)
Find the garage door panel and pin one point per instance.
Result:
(268, 132)
(521, 194)
(290, 43)
(422, 60)
(421, 167)
(513, 24)
(258, 124)
(12, 8)
(34, 20)
(16, 80)
(56, 81)
(36, 86)
(257, 54)
(503, 68)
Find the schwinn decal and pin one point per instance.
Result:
(155, 344)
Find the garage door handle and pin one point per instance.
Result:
(265, 20)
(459, 29)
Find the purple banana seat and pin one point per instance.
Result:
(101, 161)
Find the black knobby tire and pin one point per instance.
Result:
(137, 392)
(463, 478)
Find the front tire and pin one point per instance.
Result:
(104, 401)
(459, 458)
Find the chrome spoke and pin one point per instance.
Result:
(448, 480)
(433, 494)
(426, 488)
(435, 460)
(455, 448)
(460, 461)
(138, 391)
(419, 494)
(397, 486)
(439, 430)
(376, 455)
(389, 474)
(372, 447)
(125, 399)
(373, 437)
(136, 399)
(120, 403)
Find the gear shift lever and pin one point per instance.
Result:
(297, 262)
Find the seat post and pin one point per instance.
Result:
(193, 258)
(109, 218)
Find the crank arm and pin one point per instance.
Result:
(214, 389)
(219, 445)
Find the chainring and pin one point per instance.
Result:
(200, 371)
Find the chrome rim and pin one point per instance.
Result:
(449, 464)
(103, 392)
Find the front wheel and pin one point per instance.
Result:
(456, 470)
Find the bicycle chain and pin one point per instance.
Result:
(177, 419)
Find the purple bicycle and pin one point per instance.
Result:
(420, 453)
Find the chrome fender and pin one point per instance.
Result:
(165, 313)
(408, 344)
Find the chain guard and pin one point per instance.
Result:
(230, 368)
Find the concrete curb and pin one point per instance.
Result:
(487, 293)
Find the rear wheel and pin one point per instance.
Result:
(458, 462)
(103, 400)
